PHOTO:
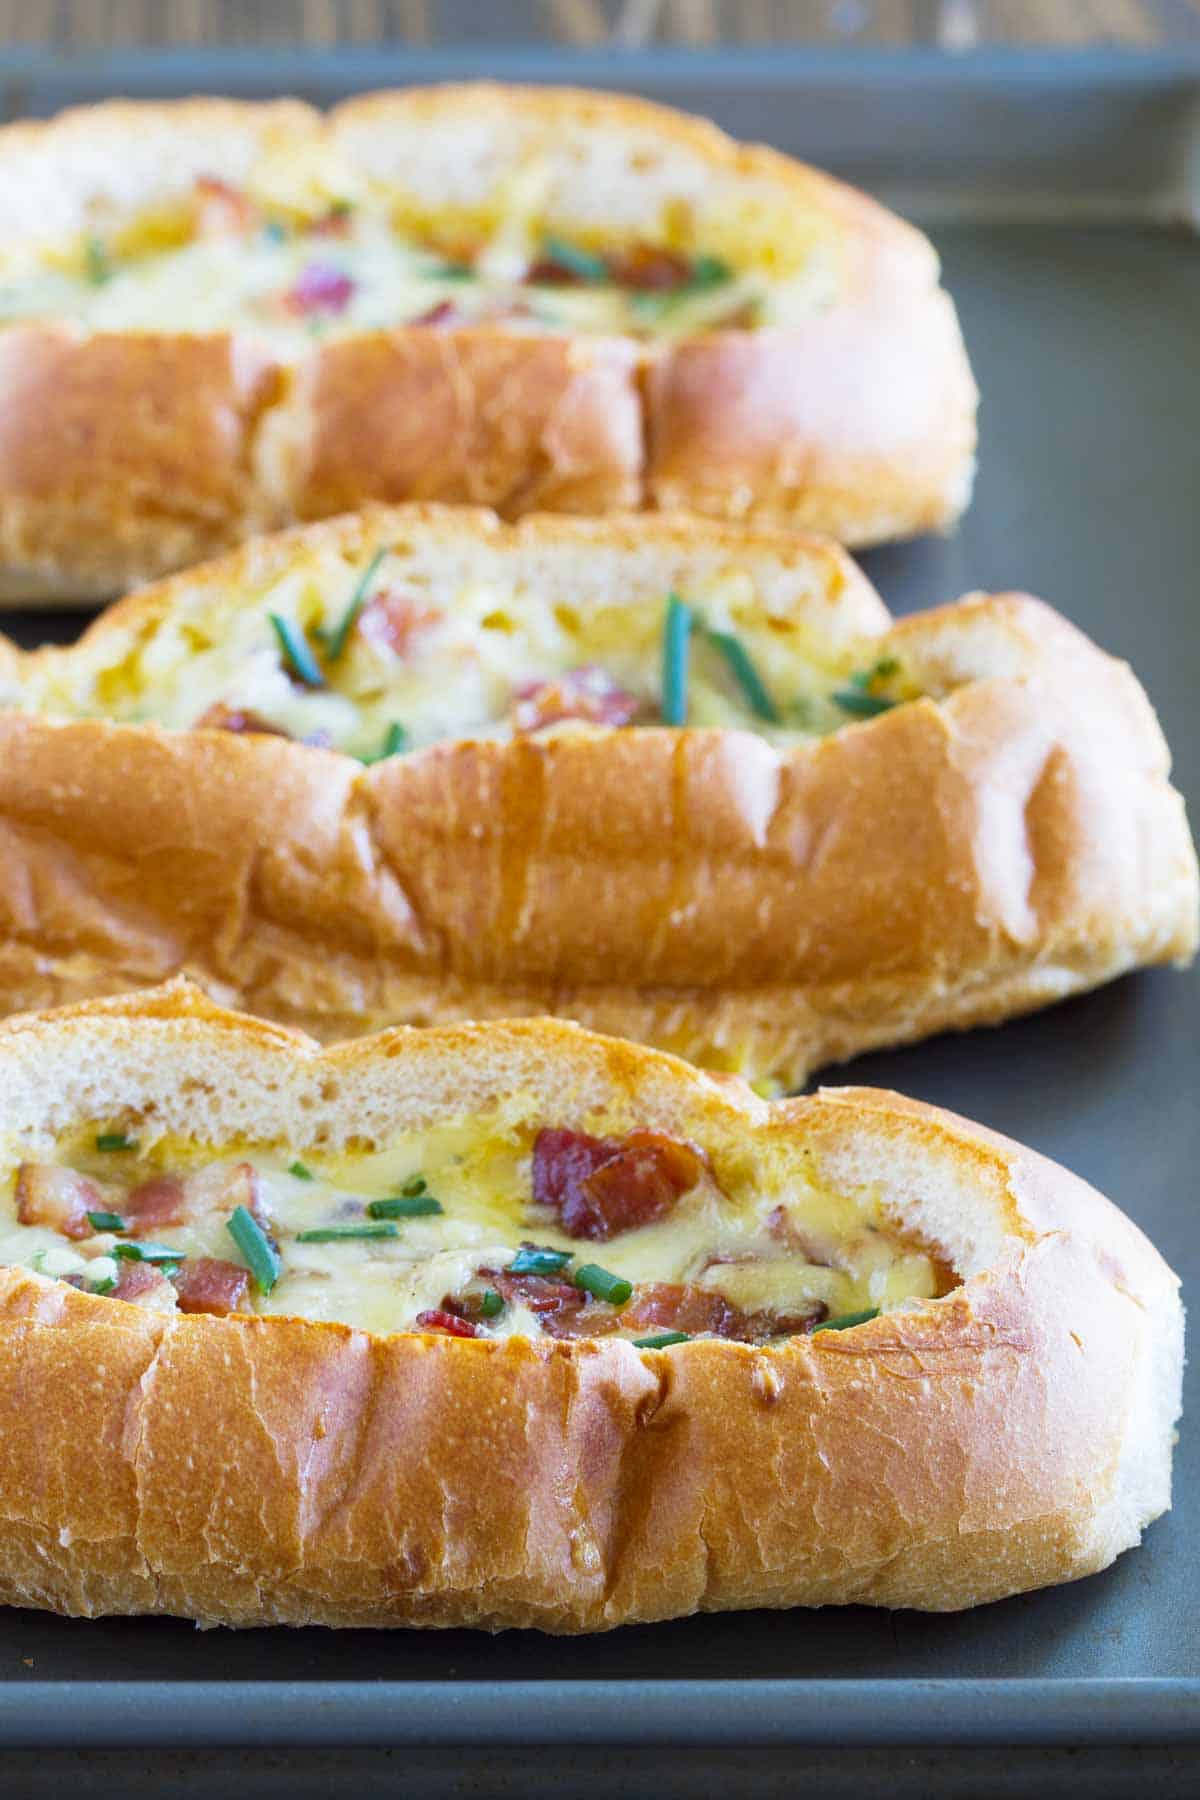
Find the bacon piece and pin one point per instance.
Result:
(143, 1285)
(221, 210)
(442, 312)
(602, 1186)
(220, 717)
(650, 270)
(154, 1203)
(319, 288)
(391, 620)
(668, 1306)
(211, 1285)
(547, 271)
(438, 1320)
(58, 1198)
(554, 1303)
(588, 693)
(333, 224)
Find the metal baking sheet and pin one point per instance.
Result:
(1085, 334)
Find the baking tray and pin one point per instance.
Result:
(1059, 192)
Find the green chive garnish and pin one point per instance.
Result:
(297, 652)
(603, 1284)
(262, 1258)
(106, 1221)
(411, 1206)
(395, 740)
(301, 1171)
(99, 268)
(150, 1253)
(662, 1340)
(539, 1262)
(745, 674)
(856, 697)
(577, 262)
(115, 1140)
(491, 1303)
(416, 1184)
(845, 1321)
(677, 631)
(337, 1234)
(103, 1287)
(861, 704)
(709, 272)
(455, 272)
(337, 640)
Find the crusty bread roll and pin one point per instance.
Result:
(254, 1470)
(220, 317)
(759, 896)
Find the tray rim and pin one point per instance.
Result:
(830, 1713)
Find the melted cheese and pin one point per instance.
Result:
(140, 279)
(778, 1251)
(467, 660)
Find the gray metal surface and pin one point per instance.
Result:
(1085, 341)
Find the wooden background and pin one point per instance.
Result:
(953, 24)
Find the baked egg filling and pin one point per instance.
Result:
(477, 1228)
(225, 258)
(372, 658)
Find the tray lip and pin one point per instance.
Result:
(751, 65)
(861, 1711)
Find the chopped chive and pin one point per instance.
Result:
(745, 674)
(106, 1221)
(341, 209)
(531, 1261)
(297, 652)
(99, 268)
(577, 262)
(491, 1304)
(150, 1253)
(301, 1171)
(395, 740)
(709, 272)
(170, 1269)
(103, 1287)
(115, 1140)
(860, 703)
(411, 1206)
(602, 1284)
(677, 631)
(661, 1340)
(455, 272)
(845, 1321)
(337, 639)
(337, 1234)
(416, 1184)
(262, 1258)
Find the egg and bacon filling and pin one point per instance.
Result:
(378, 659)
(310, 265)
(475, 1229)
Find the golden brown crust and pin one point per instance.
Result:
(1013, 1434)
(122, 452)
(485, 417)
(950, 863)
(859, 422)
